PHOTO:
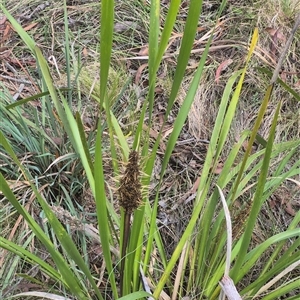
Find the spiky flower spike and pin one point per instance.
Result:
(129, 198)
(130, 187)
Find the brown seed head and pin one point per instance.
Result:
(130, 195)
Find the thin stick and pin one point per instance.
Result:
(15, 79)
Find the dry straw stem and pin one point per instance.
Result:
(179, 273)
(227, 285)
(229, 231)
(277, 278)
(229, 289)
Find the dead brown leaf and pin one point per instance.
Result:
(5, 29)
(222, 67)
(218, 168)
(85, 52)
(196, 185)
(297, 84)
(276, 35)
(159, 90)
(167, 131)
(58, 140)
(154, 134)
(30, 26)
(138, 74)
(2, 19)
(144, 51)
(283, 76)
(289, 209)
(5, 52)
